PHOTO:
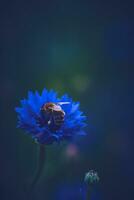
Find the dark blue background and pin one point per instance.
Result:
(84, 48)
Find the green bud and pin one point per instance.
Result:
(91, 177)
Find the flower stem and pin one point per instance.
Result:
(88, 194)
(40, 167)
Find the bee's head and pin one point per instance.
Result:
(47, 107)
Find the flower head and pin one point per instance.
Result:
(48, 118)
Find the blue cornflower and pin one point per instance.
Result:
(48, 118)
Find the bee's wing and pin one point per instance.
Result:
(62, 103)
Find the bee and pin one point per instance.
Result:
(53, 114)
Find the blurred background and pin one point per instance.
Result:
(83, 48)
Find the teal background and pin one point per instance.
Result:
(83, 48)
